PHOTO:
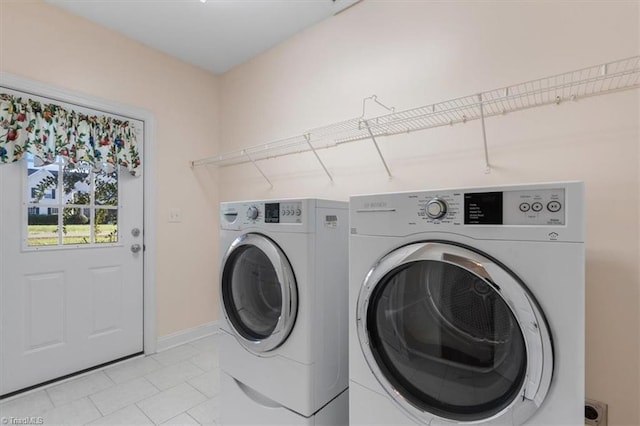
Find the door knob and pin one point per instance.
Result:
(135, 248)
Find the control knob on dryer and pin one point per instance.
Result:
(252, 213)
(436, 208)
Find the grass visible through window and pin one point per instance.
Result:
(47, 235)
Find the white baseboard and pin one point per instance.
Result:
(185, 336)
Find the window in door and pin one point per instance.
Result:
(70, 204)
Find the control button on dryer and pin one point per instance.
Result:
(536, 207)
(554, 206)
(524, 207)
(436, 208)
(298, 212)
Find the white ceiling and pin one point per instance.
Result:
(215, 35)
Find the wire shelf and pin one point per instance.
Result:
(596, 80)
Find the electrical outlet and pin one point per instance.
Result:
(595, 413)
(175, 215)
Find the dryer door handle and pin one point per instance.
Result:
(471, 265)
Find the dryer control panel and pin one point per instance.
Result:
(538, 212)
(518, 207)
(523, 207)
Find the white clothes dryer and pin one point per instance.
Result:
(467, 306)
(283, 294)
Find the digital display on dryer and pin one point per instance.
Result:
(272, 213)
(483, 208)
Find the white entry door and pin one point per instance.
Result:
(71, 269)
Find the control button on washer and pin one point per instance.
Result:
(554, 206)
(253, 213)
(524, 207)
(298, 212)
(536, 207)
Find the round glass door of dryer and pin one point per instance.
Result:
(258, 292)
(444, 339)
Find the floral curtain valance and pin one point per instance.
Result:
(49, 130)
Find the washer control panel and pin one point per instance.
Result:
(289, 212)
(264, 212)
(511, 207)
(253, 213)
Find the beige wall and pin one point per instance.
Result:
(45, 43)
(414, 53)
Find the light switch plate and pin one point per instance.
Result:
(175, 215)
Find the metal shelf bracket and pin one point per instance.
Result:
(375, 143)
(257, 167)
(487, 166)
(307, 137)
(374, 98)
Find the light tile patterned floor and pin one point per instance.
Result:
(179, 386)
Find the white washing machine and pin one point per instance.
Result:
(283, 293)
(467, 306)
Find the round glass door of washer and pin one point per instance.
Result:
(258, 292)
